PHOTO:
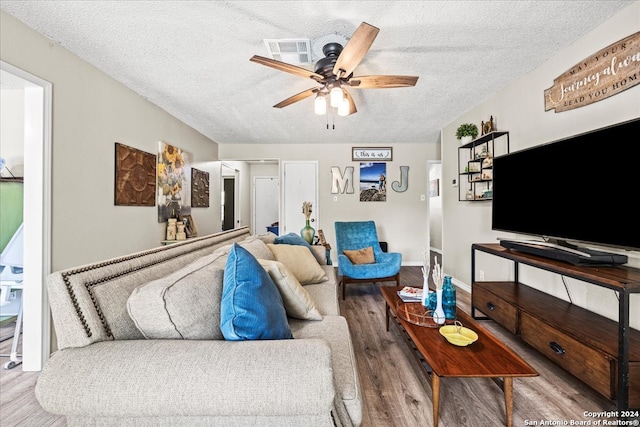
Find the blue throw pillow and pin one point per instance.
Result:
(251, 307)
(292, 239)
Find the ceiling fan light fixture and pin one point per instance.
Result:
(320, 104)
(336, 95)
(333, 72)
(343, 109)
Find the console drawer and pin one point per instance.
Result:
(595, 368)
(496, 308)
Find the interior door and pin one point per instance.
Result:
(229, 186)
(299, 184)
(266, 199)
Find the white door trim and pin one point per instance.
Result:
(36, 339)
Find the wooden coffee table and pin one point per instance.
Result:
(485, 358)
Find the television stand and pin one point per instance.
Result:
(603, 353)
(565, 252)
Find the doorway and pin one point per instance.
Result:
(229, 207)
(434, 169)
(228, 203)
(299, 185)
(266, 199)
(36, 338)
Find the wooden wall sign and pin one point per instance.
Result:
(135, 177)
(605, 73)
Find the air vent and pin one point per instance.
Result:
(291, 51)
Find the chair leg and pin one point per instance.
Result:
(344, 288)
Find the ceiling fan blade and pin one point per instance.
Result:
(381, 82)
(298, 97)
(283, 66)
(355, 49)
(352, 105)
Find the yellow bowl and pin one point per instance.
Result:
(458, 334)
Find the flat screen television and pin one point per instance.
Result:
(581, 189)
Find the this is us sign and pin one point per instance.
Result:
(605, 73)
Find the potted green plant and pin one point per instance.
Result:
(466, 132)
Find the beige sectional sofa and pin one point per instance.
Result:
(140, 344)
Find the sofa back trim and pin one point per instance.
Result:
(178, 253)
(89, 287)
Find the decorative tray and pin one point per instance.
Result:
(458, 334)
(418, 314)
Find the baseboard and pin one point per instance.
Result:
(460, 285)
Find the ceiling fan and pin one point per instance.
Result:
(334, 73)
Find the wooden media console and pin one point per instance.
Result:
(601, 352)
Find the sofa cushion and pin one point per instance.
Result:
(300, 262)
(324, 296)
(182, 305)
(360, 256)
(251, 307)
(335, 331)
(297, 301)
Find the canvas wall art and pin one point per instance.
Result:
(174, 175)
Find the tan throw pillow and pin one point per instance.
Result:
(361, 256)
(297, 301)
(300, 261)
(268, 237)
(257, 248)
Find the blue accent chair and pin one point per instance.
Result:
(357, 235)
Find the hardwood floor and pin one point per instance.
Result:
(395, 391)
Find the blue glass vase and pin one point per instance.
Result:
(449, 299)
(432, 301)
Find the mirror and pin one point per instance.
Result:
(237, 188)
(229, 196)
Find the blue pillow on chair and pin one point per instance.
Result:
(251, 308)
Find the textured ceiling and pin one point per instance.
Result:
(191, 58)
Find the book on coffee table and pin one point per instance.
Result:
(410, 294)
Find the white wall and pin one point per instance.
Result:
(519, 108)
(401, 220)
(91, 112)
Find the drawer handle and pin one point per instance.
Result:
(557, 348)
(490, 306)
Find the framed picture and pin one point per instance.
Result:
(373, 182)
(135, 177)
(174, 186)
(189, 225)
(372, 154)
